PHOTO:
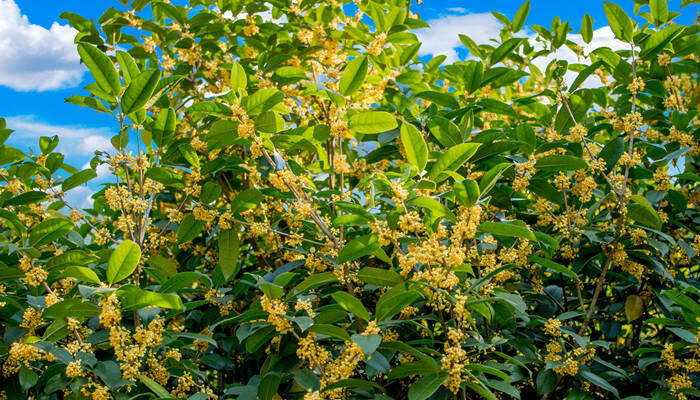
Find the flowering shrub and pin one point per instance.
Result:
(300, 208)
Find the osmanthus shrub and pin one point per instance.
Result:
(301, 208)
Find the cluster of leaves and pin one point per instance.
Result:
(300, 208)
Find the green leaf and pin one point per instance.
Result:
(330, 330)
(478, 387)
(393, 301)
(314, 281)
(164, 127)
(127, 66)
(471, 46)
(413, 143)
(511, 229)
(9, 154)
(658, 40)
(659, 10)
(239, 80)
(489, 179)
(641, 211)
(368, 343)
(155, 387)
(426, 386)
(166, 177)
(189, 229)
(353, 75)
(133, 298)
(598, 381)
(288, 74)
(621, 24)
(123, 261)
(473, 75)
(467, 192)
(13, 222)
(445, 131)
(369, 122)
(78, 179)
(73, 308)
(48, 144)
(246, 200)
(379, 276)
(189, 154)
(121, 139)
(359, 247)
(351, 304)
(553, 266)
(27, 378)
(182, 280)
(560, 162)
(634, 307)
(267, 390)
(433, 207)
(229, 245)
(101, 68)
(440, 98)
(82, 274)
(31, 197)
(263, 100)
(452, 159)
(49, 230)
(520, 17)
(587, 28)
(504, 50)
(140, 90)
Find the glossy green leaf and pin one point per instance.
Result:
(560, 162)
(353, 75)
(101, 68)
(351, 304)
(620, 23)
(414, 145)
(426, 386)
(453, 158)
(587, 28)
(359, 247)
(189, 229)
(512, 229)
(369, 122)
(123, 261)
(49, 230)
(659, 10)
(78, 179)
(520, 17)
(229, 246)
(164, 127)
(140, 91)
(379, 276)
(239, 80)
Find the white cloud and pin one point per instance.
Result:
(73, 140)
(442, 38)
(33, 57)
(80, 197)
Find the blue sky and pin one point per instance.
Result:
(40, 66)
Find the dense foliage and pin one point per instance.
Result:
(300, 208)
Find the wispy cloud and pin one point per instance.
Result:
(35, 58)
(73, 140)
